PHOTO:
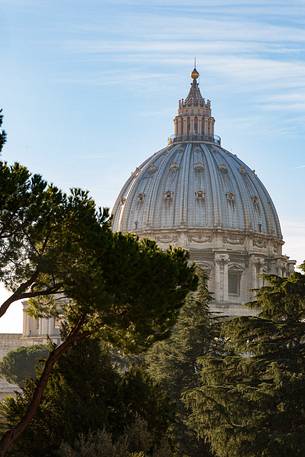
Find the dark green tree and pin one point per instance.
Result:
(251, 399)
(20, 365)
(56, 245)
(86, 394)
(173, 364)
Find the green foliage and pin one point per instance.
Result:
(173, 363)
(20, 365)
(58, 251)
(84, 395)
(251, 399)
(136, 441)
(53, 244)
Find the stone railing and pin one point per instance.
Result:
(185, 138)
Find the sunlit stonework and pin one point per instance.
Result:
(197, 195)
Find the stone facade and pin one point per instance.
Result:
(35, 331)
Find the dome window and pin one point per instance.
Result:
(199, 166)
(174, 167)
(230, 197)
(223, 168)
(168, 195)
(123, 200)
(200, 195)
(242, 170)
(255, 201)
(141, 196)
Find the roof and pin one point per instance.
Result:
(195, 185)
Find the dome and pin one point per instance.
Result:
(195, 185)
(197, 195)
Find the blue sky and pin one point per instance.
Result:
(89, 89)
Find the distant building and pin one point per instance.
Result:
(197, 195)
(35, 331)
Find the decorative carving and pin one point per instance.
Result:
(259, 261)
(230, 197)
(199, 238)
(168, 195)
(174, 167)
(152, 169)
(233, 240)
(236, 267)
(199, 166)
(222, 259)
(166, 238)
(258, 242)
(223, 168)
(200, 195)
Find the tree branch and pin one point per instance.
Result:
(11, 435)
(17, 295)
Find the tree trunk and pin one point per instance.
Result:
(11, 435)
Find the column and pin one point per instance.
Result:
(206, 128)
(179, 126)
(257, 271)
(192, 126)
(176, 126)
(199, 125)
(51, 326)
(26, 326)
(185, 126)
(221, 277)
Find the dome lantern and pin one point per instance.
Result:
(194, 120)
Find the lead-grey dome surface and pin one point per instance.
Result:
(195, 185)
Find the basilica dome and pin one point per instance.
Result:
(195, 194)
(195, 185)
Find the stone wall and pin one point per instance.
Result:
(10, 342)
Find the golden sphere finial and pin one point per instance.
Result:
(195, 74)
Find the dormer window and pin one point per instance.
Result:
(141, 196)
(168, 195)
(200, 195)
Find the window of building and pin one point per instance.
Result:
(234, 282)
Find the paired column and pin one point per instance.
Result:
(257, 271)
(221, 277)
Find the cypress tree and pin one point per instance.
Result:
(172, 364)
(251, 398)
